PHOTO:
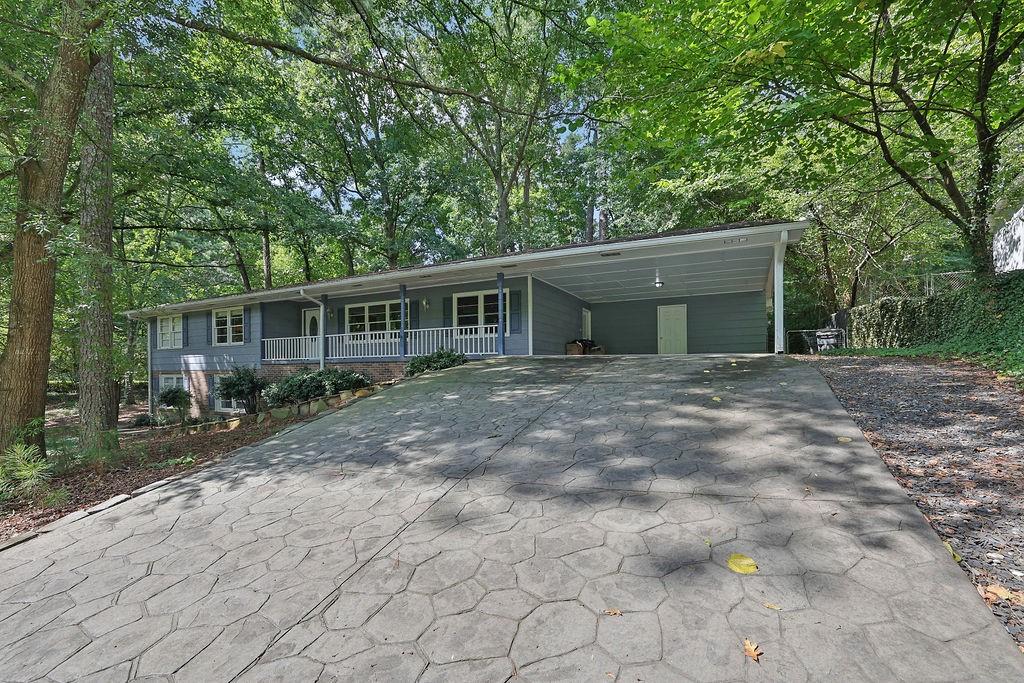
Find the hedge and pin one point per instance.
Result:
(984, 322)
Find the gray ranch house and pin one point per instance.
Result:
(694, 291)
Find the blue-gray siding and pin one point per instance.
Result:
(717, 323)
(198, 353)
(557, 318)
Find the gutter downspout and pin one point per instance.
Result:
(321, 329)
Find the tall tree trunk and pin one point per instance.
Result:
(268, 275)
(588, 221)
(243, 269)
(391, 242)
(831, 295)
(602, 225)
(97, 384)
(41, 174)
(501, 235)
(307, 268)
(350, 259)
(527, 218)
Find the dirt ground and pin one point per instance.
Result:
(147, 456)
(953, 435)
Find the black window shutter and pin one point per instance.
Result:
(447, 309)
(184, 329)
(414, 314)
(246, 323)
(209, 328)
(515, 317)
(153, 332)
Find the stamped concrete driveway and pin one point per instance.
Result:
(493, 521)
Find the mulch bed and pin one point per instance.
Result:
(952, 433)
(146, 460)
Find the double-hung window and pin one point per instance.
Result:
(168, 381)
(475, 309)
(220, 404)
(169, 332)
(228, 326)
(377, 316)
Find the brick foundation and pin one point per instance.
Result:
(376, 370)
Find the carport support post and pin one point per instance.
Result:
(501, 314)
(778, 309)
(402, 350)
(321, 330)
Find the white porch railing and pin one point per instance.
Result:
(291, 348)
(476, 340)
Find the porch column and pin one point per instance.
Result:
(322, 330)
(501, 314)
(402, 349)
(777, 288)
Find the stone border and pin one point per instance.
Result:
(318, 407)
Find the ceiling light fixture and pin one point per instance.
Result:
(657, 280)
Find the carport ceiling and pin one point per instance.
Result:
(681, 274)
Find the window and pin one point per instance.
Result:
(167, 381)
(479, 308)
(378, 316)
(220, 404)
(228, 326)
(169, 332)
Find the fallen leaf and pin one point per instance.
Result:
(955, 554)
(843, 439)
(717, 399)
(613, 612)
(752, 650)
(741, 564)
(707, 542)
(772, 605)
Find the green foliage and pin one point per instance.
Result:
(24, 470)
(55, 498)
(144, 420)
(306, 385)
(177, 398)
(244, 385)
(438, 360)
(181, 461)
(985, 323)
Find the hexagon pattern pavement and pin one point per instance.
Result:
(548, 519)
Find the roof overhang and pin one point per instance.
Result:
(690, 264)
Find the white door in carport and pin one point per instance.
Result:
(672, 329)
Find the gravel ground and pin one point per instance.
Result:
(953, 435)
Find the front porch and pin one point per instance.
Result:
(476, 340)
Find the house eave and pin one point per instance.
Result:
(517, 264)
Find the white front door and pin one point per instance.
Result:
(672, 329)
(311, 322)
(586, 324)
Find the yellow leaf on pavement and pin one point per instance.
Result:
(613, 612)
(772, 605)
(741, 564)
(717, 399)
(844, 439)
(752, 650)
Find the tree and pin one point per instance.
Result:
(97, 385)
(41, 172)
(930, 86)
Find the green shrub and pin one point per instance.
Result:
(24, 470)
(984, 322)
(438, 360)
(244, 385)
(306, 385)
(55, 498)
(177, 398)
(143, 420)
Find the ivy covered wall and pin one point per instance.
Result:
(985, 322)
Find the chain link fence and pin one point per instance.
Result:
(917, 286)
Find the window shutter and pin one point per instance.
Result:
(246, 323)
(447, 308)
(184, 329)
(342, 320)
(414, 314)
(209, 328)
(211, 386)
(515, 317)
(153, 332)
